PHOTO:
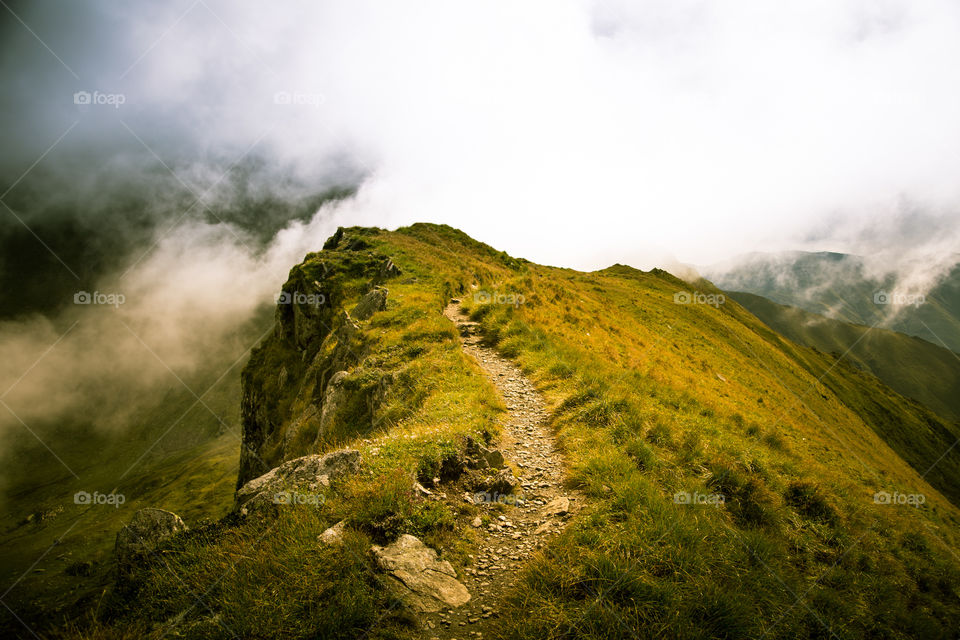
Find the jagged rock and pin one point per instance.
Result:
(256, 426)
(557, 507)
(480, 457)
(334, 240)
(332, 400)
(311, 473)
(306, 321)
(141, 536)
(493, 457)
(373, 301)
(452, 467)
(308, 419)
(421, 490)
(503, 482)
(419, 578)
(344, 333)
(387, 270)
(478, 462)
(477, 522)
(288, 375)
(334, 534)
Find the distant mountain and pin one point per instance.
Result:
(911, 366)
(840, 286)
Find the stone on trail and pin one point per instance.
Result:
(494, 458)
(503, 482)
(557, 507)
(419, 579)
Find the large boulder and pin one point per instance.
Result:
(311, 474)
(143, 534)
(418, 577)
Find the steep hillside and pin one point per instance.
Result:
(730, 483)
(911, 366)
(174, 451)
(839, 286)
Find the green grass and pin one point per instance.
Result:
(650, 400)
(911, 366)
(796, 462)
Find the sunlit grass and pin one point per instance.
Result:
(650, 400)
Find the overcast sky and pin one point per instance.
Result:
(572, 133)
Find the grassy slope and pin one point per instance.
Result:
(644, 414)
(651, 398)
(909, 365)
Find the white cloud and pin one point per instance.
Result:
(568, 132)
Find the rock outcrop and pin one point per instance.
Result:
(309, 474)
(297, 380)
(373, 301)
(418, 577)
(142, 535)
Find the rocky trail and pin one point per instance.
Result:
(538, 509)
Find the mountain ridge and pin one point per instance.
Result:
(728, 475)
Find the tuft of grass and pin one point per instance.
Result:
(810, 502)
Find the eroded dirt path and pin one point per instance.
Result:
(542, 510)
